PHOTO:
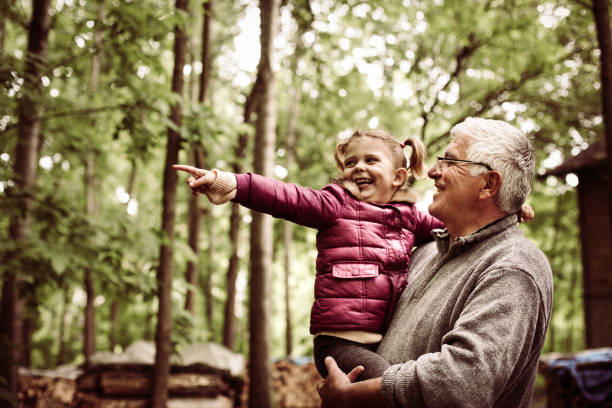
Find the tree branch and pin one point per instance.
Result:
(79, 112)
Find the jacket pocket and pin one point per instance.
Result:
(355, 270)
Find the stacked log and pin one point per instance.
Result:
(129, 386)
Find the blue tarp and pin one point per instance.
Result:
(592, 372)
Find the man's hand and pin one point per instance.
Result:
(335, 389)
(200, 179)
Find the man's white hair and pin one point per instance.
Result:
(507, 150)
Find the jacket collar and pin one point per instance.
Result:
(461, 243)
(403, 195)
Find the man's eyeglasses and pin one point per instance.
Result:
(444, 162)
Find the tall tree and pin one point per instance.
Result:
(602, 24)
(164, 274)
(90, 182)
(26, 160)
(261, 226)
(195, 211)
(288, 226)
(229, 318)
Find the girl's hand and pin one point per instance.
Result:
(526, 214)
(200, 179)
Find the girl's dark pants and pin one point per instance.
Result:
(348, 355)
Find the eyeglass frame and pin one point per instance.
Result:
(449, 159)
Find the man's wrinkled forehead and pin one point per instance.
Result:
(458, 146)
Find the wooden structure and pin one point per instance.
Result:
(591, 168)
(576, 380)
(129, 386)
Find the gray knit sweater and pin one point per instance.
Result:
(470, 326)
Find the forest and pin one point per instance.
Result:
(101, 242)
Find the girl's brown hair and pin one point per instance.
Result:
(417, 157)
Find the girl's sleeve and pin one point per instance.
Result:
(424, 224)
(302, 205)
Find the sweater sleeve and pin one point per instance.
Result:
(302, 205)
(424, 224)
(489, 345)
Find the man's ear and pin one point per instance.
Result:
(400, 177)
(492, 184)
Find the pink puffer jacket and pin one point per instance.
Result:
(363, 249)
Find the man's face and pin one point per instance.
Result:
(458, 190)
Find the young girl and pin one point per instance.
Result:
(367, 227)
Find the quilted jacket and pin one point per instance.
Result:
(363, 248)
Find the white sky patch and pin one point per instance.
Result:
(197, 66)
(402, 91)
(122, 195)
(79, 297)
(80, 42)
(571, 179)
(142, 71)
(553, 160)
(187, 69)
(527, 126)
(551, 16)
(247, 43)
(280, 171)
(132, 207)
(46, 162)
(345, 134)
(54, 93)
(45, 81)
(5, 157)
(373, 122)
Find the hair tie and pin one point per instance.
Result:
(403, 144)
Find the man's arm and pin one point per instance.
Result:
(338, 390)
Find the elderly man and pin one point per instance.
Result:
(470, 326)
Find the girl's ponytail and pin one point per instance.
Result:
(417, 158)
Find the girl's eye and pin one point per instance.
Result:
(372, 160)
(349, 163)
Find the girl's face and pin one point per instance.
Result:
(368, 163)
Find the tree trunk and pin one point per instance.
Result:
(61, 354)
(206, 32)
(26, 159)
(261, 227)
(89, 329)
(2, 36)
(229, 319)
(207, 279)
(288, 226)
(602, 24)
(28, 327)
(114, 314)
(195, 221)
(164, 274)
(195, 213)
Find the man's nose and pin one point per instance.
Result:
(434, 171)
